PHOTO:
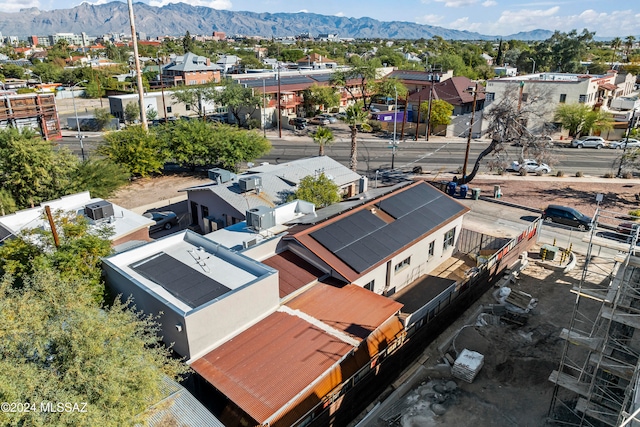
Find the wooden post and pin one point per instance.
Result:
(52, 224)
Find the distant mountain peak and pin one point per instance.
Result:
(178, 18)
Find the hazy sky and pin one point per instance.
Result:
(619, 18)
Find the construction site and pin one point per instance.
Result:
(596, 382)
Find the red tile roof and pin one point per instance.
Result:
(293, 272)
(265, 367)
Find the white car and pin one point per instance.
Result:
(530, 166)
(630, 143)
(589, 141)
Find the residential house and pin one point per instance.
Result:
(505, 71)
(190, 69)
(595, 91)
(315, 61)
(457, 91)
(228, 63)
(299, 296)
(226, 199)
(487, 58)
(162, 102)
(129, 228)
(416, 81)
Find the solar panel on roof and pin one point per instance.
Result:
(188, 285)
(361, 240)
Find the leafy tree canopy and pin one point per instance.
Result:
(135, 149)
(320, 190)
(241, 101)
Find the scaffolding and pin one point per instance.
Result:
(596, 383)
(33, 111)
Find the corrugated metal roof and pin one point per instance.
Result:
(265, 367)
(351, 309)
(179, 408)
(293, 272)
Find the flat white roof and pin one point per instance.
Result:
(123, 222)
(203, 270)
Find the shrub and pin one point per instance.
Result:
(627, 175)
(523, 172)
(539, 173)
(560, 174)
(579, 174)
(609, 175)
(635, 212)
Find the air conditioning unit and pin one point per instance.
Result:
(261, 218)
(219, 175)
(248, 243)
(99, 210)
(248, 183)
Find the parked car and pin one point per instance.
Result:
(317, 120)
(567, 216)
(627, 227)
(530, 166)
(163, 220)
(298, 122)
(589, 141)
(329, 117)
(630, 143)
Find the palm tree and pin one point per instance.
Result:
(628, 43)
(615, 45)
(356, 116)
(323, 136)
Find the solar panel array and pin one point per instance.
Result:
(361, 240)
(183, 282)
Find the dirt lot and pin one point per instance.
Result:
(512, 388)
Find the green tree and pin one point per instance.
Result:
(7, 204)
(12, 71)
(580, 119)
(187, 42)
(134, 148)
(319, 190)
(93, 90)
(59, 346)
(616, 43)
(356, 117)
(321, 97)
(152, 114)
(189, 142)
(389, 87)
(103, 117)
(241, 101)
(31, 170)
(323, 137)
(193, 96)
(361, 71)
(441, 112)
(233, 146)
(131, 112)
(101, 177)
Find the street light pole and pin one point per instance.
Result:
(466, 153)
(75, 110)
(533, 71)
(395, 121)
(264, 106)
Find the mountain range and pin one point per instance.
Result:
(177, 18)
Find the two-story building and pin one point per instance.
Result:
(190, 69)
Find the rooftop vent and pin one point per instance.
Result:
(248, 183)
(99, 210)
(219, 175)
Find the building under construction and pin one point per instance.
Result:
(596, 383)
(33, 111)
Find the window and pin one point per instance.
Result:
(187, 107)
(403, 264)
(205, 211)
(168, 109)
(370, 285)
(489, 96)
(563, 98)
(582, 99)
(432, 248)
(449, 237)
(525, 96)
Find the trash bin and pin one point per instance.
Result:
(475, 193)
(497, 193)
(464, 189)
(451, 188)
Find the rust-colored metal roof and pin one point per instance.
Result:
(293, 272)
(268, 365)
(351, 309)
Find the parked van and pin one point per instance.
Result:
(566, 216)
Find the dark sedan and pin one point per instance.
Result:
(163, 220)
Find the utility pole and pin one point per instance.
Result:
(429, 112)
(626, 141)
(278, 100)
(466, 153)
(134, 38)
(418, 118)
(395, 121)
